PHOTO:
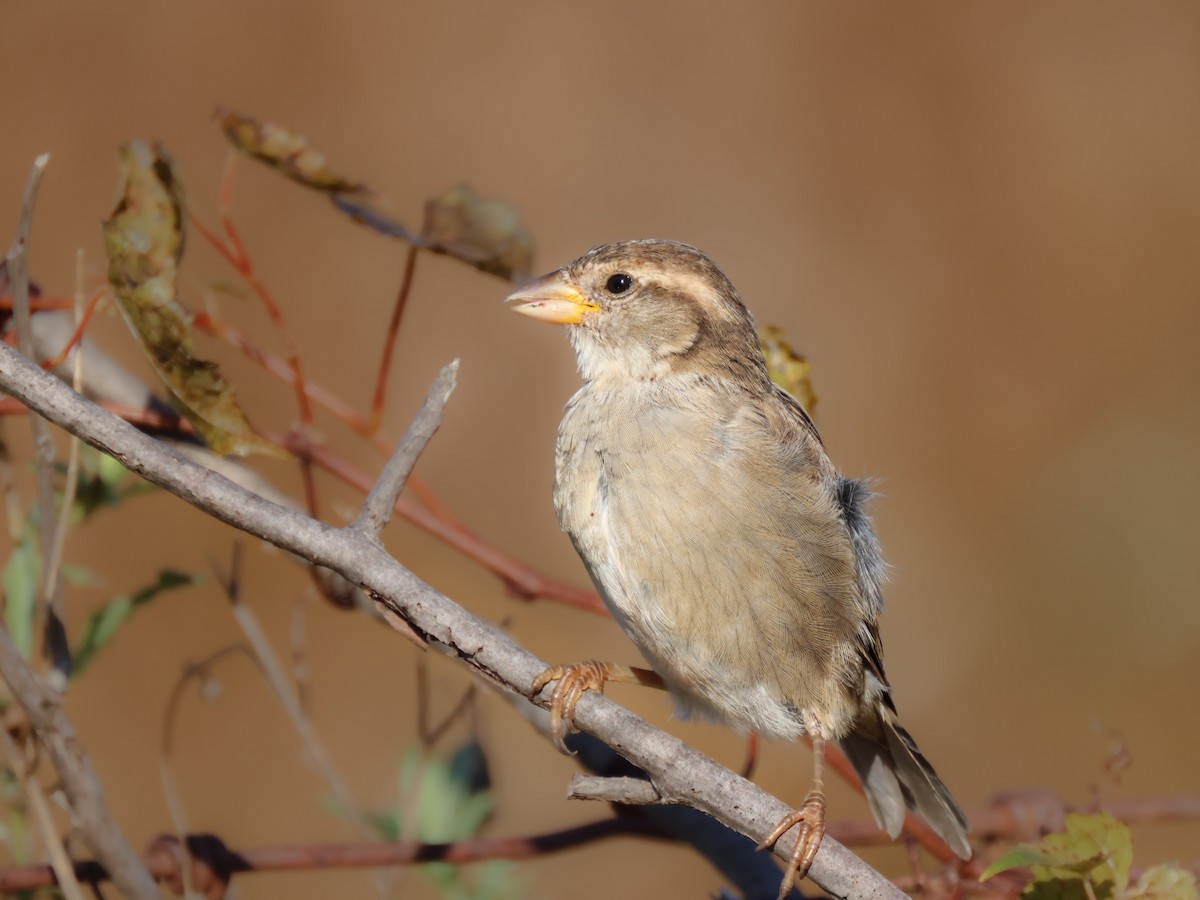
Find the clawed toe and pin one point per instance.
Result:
(811, 819)
(572, 681)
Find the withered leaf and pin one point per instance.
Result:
(789, 369)
(144, 239)
(286, 152)
(488, 234)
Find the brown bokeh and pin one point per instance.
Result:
(979, 221)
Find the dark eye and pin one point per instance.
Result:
(618, 284)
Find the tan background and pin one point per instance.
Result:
(980, 221)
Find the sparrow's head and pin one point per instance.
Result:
(645, 310)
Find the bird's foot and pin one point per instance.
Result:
(811, 819)
(573, 680)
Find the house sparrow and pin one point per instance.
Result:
(718, 532)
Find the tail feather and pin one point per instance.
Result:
(896, 776)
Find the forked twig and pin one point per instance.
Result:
(381, 500)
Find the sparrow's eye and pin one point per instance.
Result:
(619, 283)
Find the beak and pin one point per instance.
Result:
(551, 299)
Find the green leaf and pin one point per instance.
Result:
(79, 576)
(1094, 848)
(450, 801)
(110, 470)
(21, 576)
(103, 624)
(1165, 882)
(1020, 856)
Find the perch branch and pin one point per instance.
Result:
(680, 774)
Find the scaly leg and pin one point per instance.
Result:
(573, 680)
(811, 819)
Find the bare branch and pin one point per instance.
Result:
(212, 860)
(377, 508)
(626, 790)
(89, 811)
(54, 731)
(60, 861)
(18, 255)
(680, 774)
(44, 455)
(274, 674)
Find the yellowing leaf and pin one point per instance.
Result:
(488, 234)
(789, 369)
(285, 151)
(1165, 882)
(144, 238)
(1096, 848)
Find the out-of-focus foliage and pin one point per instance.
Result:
(144, 238)
(1090, 859)
(286, 152)
(102, 625)
(21, 576)
(444, 800)
(488, 234)
(103, 482)
(789, 369)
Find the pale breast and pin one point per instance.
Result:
(734, 579)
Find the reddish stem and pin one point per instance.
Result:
(389, 343)
(59, 358)
(236, 257)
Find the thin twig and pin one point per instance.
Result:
(60, 862)
(81, 324)
(79, 780)
(389, 340)
(166, 760)
(234, 252)
(681, 774)
(63, 521)
(298, 645)
(213, 859)
(377, 508)
(44, 453)
(428, 733)
(273, 673)
(625, 790)
(280, 368)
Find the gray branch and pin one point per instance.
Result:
(17, 263)
(679, 774)
(80, 782)
(619, 789)
(377, 508)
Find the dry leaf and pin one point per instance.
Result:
(286, 152)
(144, 238)
(789, 369)
(488, 234)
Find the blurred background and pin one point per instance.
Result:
(979, 221)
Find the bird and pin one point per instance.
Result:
(719, 534)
